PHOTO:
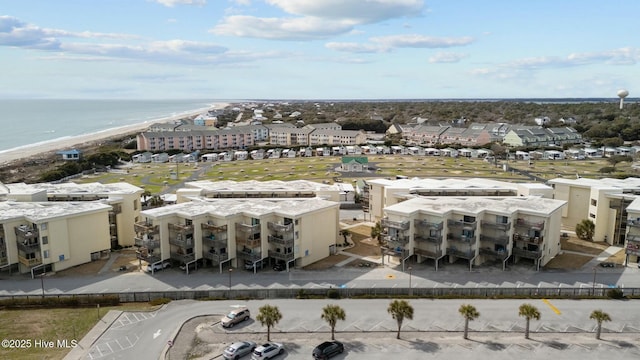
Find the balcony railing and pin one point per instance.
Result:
(400, 225)
(528, 239)
(470, 225)
(395, 251)
(461, 238)
(403, 239)
(181, 228)
(428, 225)
(146, 228)
(150, 244)
(633, 238)
(29, 262)
(281, 240)
(501, 254)
(28, 246)
(280, 227)
(214, 228)
(281, 256)
(3, 260)
(500, 239)
(216, 257)
(529, 254)
(431, 254)
(428, 238)
(251, 256)
(24, 232)
(182, 257)
(466, 254)
(534, 225)
(219, 239)
(496, 225)
(247, 228)
(181, 241)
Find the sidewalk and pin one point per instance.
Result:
(84, 345)
(608, 252)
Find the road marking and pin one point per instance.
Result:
(555, 309)
(157, 333)
(390, 276)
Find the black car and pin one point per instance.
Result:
(607, 264)
(279, 267)
(328, 349)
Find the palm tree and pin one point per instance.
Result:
(399, 310)
(145, 195)
(333, 313)
(468, 312)
(268, 316)
(599, 316)
(585, 229)
(376, 232)
(345, 233)
(528, 312)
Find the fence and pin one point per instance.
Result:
(288, 293)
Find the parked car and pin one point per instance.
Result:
(279, 266)
(328, 349)
(267, 351)
(607, 264)
(158, 266)
(235, 316)
(249, 265)
(238, 350)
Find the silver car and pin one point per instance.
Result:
(238, 350)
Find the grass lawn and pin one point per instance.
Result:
(51, 325)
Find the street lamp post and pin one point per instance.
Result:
(594, 280)
(410, 288)
(42, 283)
(230, 271)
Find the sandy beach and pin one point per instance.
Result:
(92, 139)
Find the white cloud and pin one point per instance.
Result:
(242, 2)
(388, 43)
(357, 11)
(354, 47)
(279, 28)
(447, 57)
(622, 56)
(172, 3)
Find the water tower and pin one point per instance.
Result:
(622, 94)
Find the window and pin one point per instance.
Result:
(591, 215)
(45, 240)
(135, 204)
(43, 226)
(46, 254)
(594, 202)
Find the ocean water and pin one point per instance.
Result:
(24, 121)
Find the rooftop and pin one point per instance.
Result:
(42, 211)
(260, 186)
(119, 188)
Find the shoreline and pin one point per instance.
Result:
(92, 139)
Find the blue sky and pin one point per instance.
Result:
(318, 49)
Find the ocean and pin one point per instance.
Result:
(33, 121)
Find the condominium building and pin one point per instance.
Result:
(259, 189)
(475, 229)
(632, 246)
(603, 201)
(123, 198)
(237, 232)
(381, 193)
(42, 237)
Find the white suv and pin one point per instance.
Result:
(267, 351)
(158, 266)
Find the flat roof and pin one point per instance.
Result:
(628, 183)
(42, 211)
(475, 205)
(95, 188)
(452, 183)
(252, 207)
(260, 186)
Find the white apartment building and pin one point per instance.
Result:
(603, 201)
(259, 189)
(237, 232)
(39, 237)
(473, 228)
(632, 246)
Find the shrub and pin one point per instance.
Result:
(159, 301)
(615, 293)
(333, 294)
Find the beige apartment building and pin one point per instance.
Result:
(123, 198)
(39, 237)
(632, 246)
(381, 193)
(258, 189)
(474, 229)
(603, 201)
(237, 232)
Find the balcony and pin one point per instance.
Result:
(147, 243)
(252, 256)
(24, 232)
(465, 254)
(496, 225)
(29, 262)
(214, 228)
(247, 228)
(181, 228)
(633, 238)
(181, 256)
(530, 225)
(500, 254)
(420, 238)
(467, 225)
(3, 259)
(395, 251)
(428, 225)
(499, 239)
(145, 227)
(29, 246)
(529, 254)
(280, 227)
(280, 240)
(219, 239)
(431, 254)
(281, 256)
(401, 239)
(400, 225)
(528, 239)
(181, 241)
(216, 257)
(461, 238)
